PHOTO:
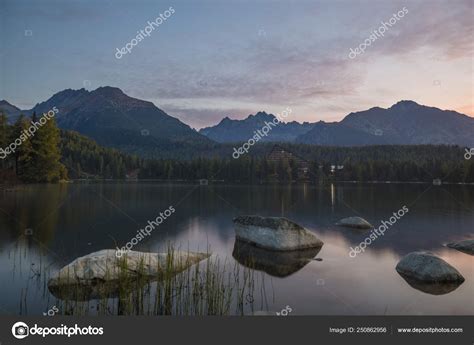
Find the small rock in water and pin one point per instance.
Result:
(318, 259)
(355, 222)
(466, 246)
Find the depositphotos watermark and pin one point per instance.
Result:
(285, 311)
(263, 132)
(380, 231)
(377, 33)
(469, 153)
(21, 330)
(27, 133)
(145, 32)
(51, 312)
(142, 233)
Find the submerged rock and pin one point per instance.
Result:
(426, 268)
(274, 233)
(278, 264)
(466, 246)
(102, 272)
(355, 222)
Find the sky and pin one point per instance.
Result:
(212, 59)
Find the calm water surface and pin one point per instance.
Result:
(67, 221)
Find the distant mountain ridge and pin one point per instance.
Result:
(404, 123)
(114, 119)
(241, 130)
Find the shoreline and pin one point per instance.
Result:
(8, 186)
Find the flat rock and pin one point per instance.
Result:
(355, 222)
(104, 266)
(274, 233)
(466, 246)
(425, 267)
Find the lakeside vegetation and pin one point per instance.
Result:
(52, 155)
(212, 287)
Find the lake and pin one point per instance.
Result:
(47, 226)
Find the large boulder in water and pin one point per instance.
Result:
(102, 272)
(355, 222)
(274, 233)
(466, 246)
(425, 267)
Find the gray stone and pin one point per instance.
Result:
(104, 266)
(274, 233)
(466, 246)
(425, 267)
(355, 222)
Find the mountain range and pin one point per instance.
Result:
(405, 123)
(241, 130)
(113, 119)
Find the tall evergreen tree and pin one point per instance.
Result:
(23, 152)
(4, 136)
(45, 163)
(4, 128)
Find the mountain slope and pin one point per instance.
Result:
(84, 158)
(337, 134)
(409, 123)
(228, 131)
(405, 123)
(114, 119)
(9, 110)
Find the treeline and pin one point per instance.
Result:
(391, 162)
(372, 163)
(29, 150)
(84, 158)
(355, 167)
(51, 155)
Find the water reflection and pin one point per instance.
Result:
(432, 288)
(70, 221)
(275, 263)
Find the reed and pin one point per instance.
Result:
(211, 287)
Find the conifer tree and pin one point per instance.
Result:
(45, 163)
(4, 136)
(23, 152)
